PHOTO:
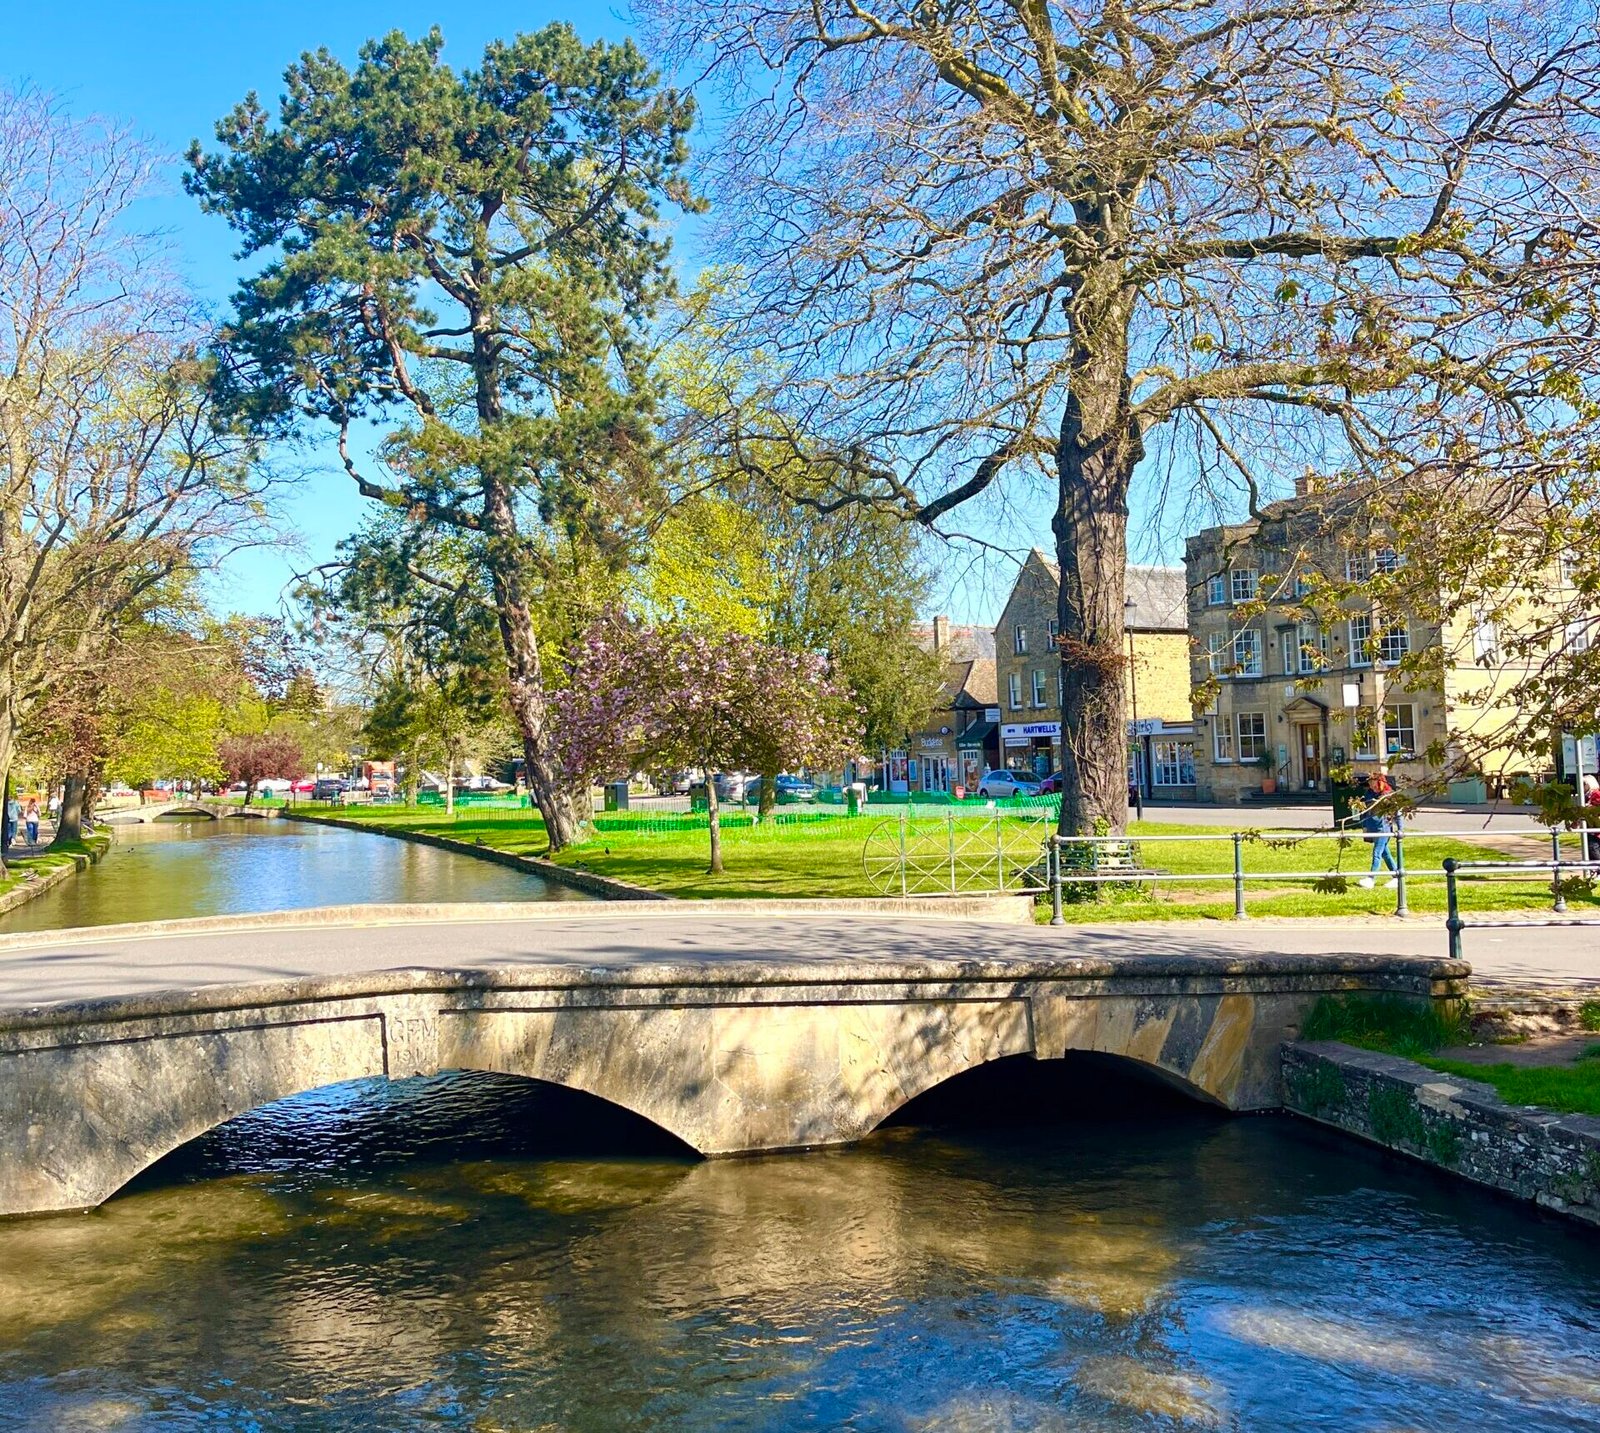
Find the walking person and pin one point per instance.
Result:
(30, 817)
(13, 819)
(1591, 816)
(1378, 826)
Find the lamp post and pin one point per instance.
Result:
(1129, 607)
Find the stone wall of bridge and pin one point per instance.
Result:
(729, 1057)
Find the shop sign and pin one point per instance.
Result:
(1018, 732)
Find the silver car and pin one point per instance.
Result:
(1008, 783)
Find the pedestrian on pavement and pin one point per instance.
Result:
(1377, 825)
(30, 815)
(1591, 816)
(13, 818)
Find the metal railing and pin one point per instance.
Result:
(1093, 872)
(1559, 869)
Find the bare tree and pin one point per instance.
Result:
(981, 235)
(113, 476)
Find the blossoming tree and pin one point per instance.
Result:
(674, 696)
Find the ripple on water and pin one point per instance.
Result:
(463, 1253)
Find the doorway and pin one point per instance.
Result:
(1308, 741)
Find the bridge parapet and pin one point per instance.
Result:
(215, 810)
(730, 1056)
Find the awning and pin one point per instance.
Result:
(975, 736)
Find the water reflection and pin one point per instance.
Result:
(173, 869)
(396, 1257)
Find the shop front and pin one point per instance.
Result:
(1033, 746)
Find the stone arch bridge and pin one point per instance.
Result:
(736, 1033)
(215, 810)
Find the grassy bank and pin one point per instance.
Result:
(808, 852)
(1418, 1033)
(24, 870)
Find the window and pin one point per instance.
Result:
(1038, 687)
(1247, 652)
(1385, 559)
(1485, 642)
(1357, 567)
(1219, 655)
(1579, 636)
(1053, 629)
(1312, 649)
(1222, 739)
(1302, 584)
(1393, 643)
(1216, 590)
(1172, 763)
(1015, 683)
(1366, 735)
(1567, 565)
(1252, 735)
(1360, 641)
(1287, 637)
(1019, 640)
(1400, 730)
(1244, 581)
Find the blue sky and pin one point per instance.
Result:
(171, 70)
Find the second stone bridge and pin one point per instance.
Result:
(731, 1056)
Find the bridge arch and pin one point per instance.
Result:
(727, 1057)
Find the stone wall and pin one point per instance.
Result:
(1461, 1126)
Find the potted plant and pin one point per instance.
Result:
(1269, 774)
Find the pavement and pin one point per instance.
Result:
(54, 967)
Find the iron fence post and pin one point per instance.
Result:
(1238, 876)
(1400, 906)
(1555, 870)
(1053, 846)
(999, 854)
(950, 830)
(1452, 907)
(902, 855)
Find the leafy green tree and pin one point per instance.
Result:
(989, 241)
(471, 255)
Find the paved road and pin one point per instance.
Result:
(87, 965)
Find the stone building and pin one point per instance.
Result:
(1160, 731)
(1297, 695)
(961, 738)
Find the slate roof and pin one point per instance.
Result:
(1160, 596)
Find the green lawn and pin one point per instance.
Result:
(50, 859)
(1416, 1032)
(819, 852)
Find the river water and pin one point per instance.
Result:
(174, 868)
(482, 1255)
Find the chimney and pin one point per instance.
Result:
(941, 633)
(1305, 484)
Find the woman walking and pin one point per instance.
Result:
(1378, 827)
(30, 816)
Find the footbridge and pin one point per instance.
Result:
(215, 810)
(737, 1031)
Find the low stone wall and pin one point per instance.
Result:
(1458, 1125)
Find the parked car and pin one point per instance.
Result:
(1051, 785)
(329, 788)
(1008, 783)
(734, 785)
(790, 789)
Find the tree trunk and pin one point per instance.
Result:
(1100, 447)
(69, 825)
(249, 790)
(769, 793)
(565, 811)
(450, 787)
(713, 823)
(413, 775)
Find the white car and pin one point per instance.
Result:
(1008, 783)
